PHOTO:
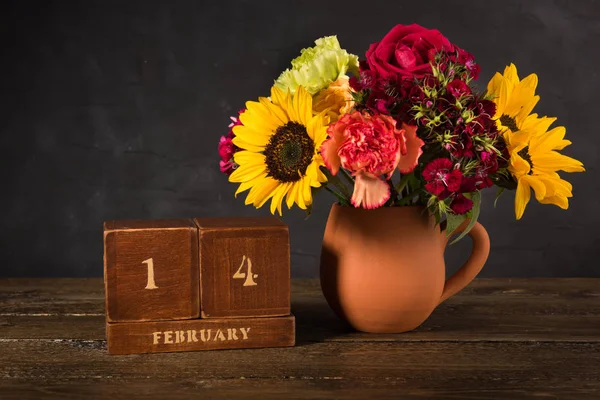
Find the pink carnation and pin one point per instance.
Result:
(371, 146)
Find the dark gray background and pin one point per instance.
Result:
(113, 110)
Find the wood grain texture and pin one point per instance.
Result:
(432, 370)
(498, 339)
(151, 270)
(200, 334)
(244, 267)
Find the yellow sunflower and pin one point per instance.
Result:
(514, 98)
(279, 142)
(535, 160)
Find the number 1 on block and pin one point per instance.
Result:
(151, 284)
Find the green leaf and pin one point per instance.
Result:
(474, 215)
(498, 193)
(413, 182)
(406, 200)
(402, 184)
(453, 221)
(438, 217)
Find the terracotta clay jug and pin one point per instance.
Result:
(383, 270)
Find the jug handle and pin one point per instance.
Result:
(476, 261)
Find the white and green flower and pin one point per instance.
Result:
(317, 67)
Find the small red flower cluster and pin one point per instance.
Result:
(227, 149)
(419, 78)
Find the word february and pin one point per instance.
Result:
(203, 335)
(200, 334)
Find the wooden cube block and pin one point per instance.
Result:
(244, 267)
(199, 334)
(151, 270)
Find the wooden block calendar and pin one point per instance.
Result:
(197, 284)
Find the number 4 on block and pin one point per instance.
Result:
(244, 267)
(151, 270)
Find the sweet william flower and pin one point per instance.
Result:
(371, 147)
(317, 67)
(226, 147)
(441, 177)
(226, 151)
(461, 204)
(458, 88)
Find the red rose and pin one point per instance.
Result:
(406, 51)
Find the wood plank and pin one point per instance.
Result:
(78, 296)
(302, 388)
(86, 295)
(200, 334)
(384, 370)
(489, 310)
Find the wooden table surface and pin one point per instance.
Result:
(498, 339)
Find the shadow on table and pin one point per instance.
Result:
(316, 322)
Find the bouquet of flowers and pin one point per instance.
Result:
(404, 126)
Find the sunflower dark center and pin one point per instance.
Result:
(509, 122)
(289, 152)
(524, 153)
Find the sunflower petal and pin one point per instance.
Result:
(249, 184)
(251, 136)
(511, 74)
(246, 157)
(559, 201)
(307, 190)
(242, 144)
(554, 161)
(290, 199)
(551, 140)
(278, 197)
(555, 185)
(497, 88)
(537, 185)
(259, 194)
(258, 116)
(526, 108)
(518, 166)
(247, 172)
(279, 97)
(303, 105)
(276, 112)
(300, 194)
(522, 196)
(290, 109)
(522, 98)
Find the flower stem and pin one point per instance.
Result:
(393, 192)
(339, 196)
(402, 185)
(348, 177)
(338, 183)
